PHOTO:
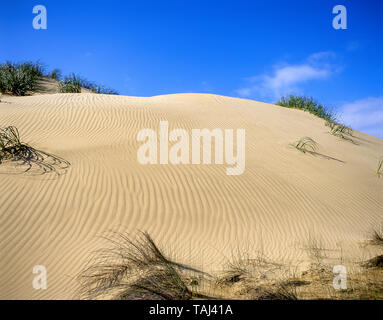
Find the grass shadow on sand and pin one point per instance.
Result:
(310, 146)
(25, 159)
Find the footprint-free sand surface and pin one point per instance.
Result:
(284, 201)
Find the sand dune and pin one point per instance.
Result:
(196, 212)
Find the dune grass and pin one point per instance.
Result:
(37, 68)
(25, 156)
(310, 105)
(136, 269)
(133, 269)
(71, 84)
(22, 78)
(307, 104)
(18, 79)
(340, 130)
(379, 170)
(377, 237)
(306, 144)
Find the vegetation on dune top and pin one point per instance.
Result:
(17, 78)
(22, 78)
(310, 105)
(71, 84)
(307, 104)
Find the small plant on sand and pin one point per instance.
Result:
(133, 269)
(17, 79)
(71, 84)
(339, 130)
(379, 170)
(306, 144)
(13, 150)
(306, 104)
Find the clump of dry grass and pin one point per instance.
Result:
(25, 156)
(276, 292)
(340, 130)
(134, 269)
(306, 144)
(376, 237)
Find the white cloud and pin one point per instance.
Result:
(364, 115)
(287, 79)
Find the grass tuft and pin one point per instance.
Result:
(340, 130)
(377, 237)
(379, 170)
(133, 269)
(13, 150)
(74, 83)
(279, 292)
(306, 144)
(71, 84)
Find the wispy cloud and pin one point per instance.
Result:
(288, 78)
(364, 115)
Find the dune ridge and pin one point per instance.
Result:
(196, 212)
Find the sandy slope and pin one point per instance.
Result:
(283, 202)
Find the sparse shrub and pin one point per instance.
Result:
(17, 79)
(307, 104)
(71, 84)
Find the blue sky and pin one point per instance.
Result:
(252, 49)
